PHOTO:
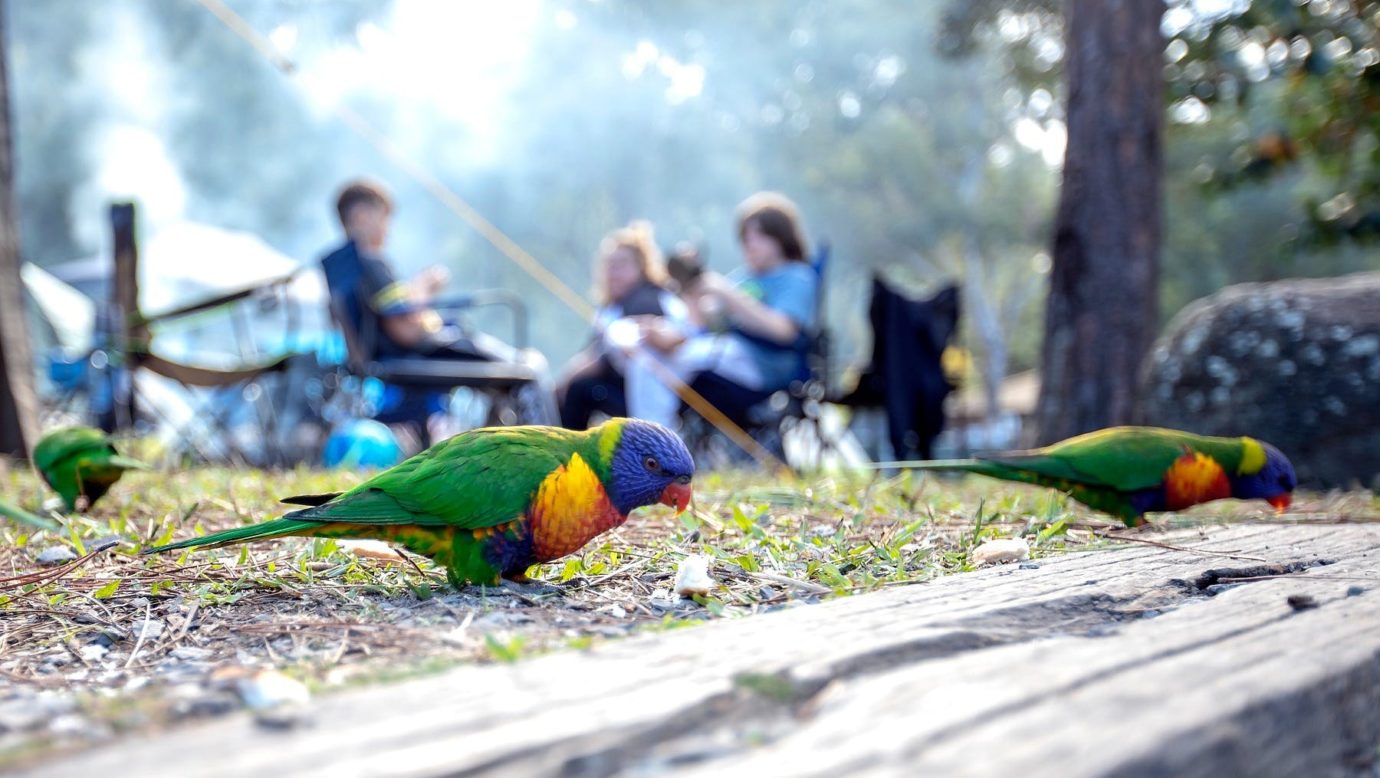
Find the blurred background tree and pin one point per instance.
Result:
(925, 140)
(558, 120)
(18, 409)
(1100, 316)
(1271, 119)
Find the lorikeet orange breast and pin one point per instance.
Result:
(491, 502)
(1131, 471)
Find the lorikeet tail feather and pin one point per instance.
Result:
(956, 465)
(24, 517)
(269, 529)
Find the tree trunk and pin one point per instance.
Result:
(1103, 289)
(18, 406)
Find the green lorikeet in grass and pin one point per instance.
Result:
(491, 502)
(11, 511)
(80, 462)
(1130, 471)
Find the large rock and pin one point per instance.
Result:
(1296, 363)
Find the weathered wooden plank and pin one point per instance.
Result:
(1049, 669)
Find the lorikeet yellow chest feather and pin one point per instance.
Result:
(1194, 478)
(570, 509)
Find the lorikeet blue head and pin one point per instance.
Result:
(1273, 482)
(650, 464)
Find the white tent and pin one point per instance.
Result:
(60, 312)
(183, 263)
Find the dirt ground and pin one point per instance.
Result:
(97, 641)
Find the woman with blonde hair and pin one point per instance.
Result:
(638, 320)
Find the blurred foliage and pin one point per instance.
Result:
(1271, 144)
(906, 161)
(1316, 62)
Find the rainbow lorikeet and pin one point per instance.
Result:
(1130, 471)
(80, 462)
(491, 502)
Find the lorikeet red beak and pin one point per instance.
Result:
(677, 495)
(1281, 501)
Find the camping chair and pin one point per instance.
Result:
(420, 382)
(905, 376)
(210, 420)
(238, 413)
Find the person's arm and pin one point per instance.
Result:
(750, 314)
(661, 334)
(400, 317)
(429, 283)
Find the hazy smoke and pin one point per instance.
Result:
(556, 119)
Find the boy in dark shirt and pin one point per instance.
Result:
(400, 312)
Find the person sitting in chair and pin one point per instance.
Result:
(638, 314)
(401, 313)
(754, 321)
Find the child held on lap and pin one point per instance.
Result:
(753, 319)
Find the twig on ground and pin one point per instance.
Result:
(1172, 547)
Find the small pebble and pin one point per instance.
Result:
(278, 702)
(1030, 565)
(149, 628)
(191, 699)
(1302, 602)
(73, 725)
(1355, 590)
(55, 555)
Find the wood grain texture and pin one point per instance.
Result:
(1112, 662)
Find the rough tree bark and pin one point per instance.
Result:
(18, 406)
(1103, 300)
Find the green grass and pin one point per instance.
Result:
(332, 618)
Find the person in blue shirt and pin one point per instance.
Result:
(754, 322)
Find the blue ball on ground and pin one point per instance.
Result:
(362, 443)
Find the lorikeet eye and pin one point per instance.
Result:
(651, 464)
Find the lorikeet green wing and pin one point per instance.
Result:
(470, 481)
(1127, 459)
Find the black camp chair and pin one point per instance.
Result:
(420, 378)
(905, 376)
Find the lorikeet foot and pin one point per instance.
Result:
(456, 581)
